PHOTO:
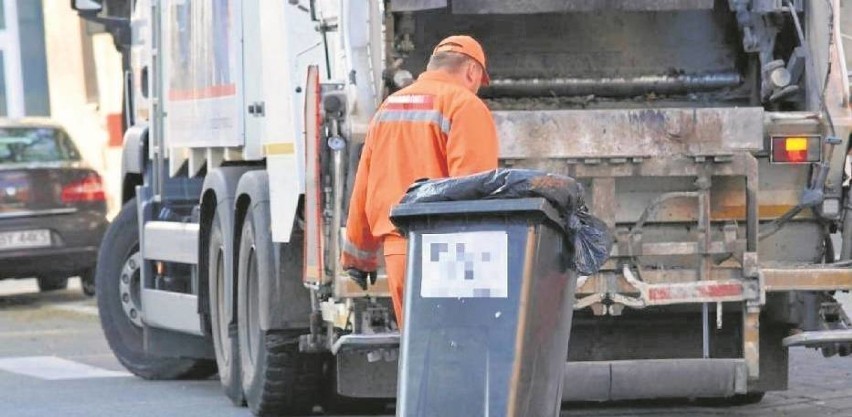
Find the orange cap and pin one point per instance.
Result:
(464, 44)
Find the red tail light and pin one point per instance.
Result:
(89, 189)
(796, 149)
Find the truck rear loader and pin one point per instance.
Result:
(711, 135)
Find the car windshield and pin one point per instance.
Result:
(35, 144)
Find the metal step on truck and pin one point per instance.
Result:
(711, 135)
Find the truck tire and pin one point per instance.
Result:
(278, 379)
(52, 283)
(225, 346)
(118, 260)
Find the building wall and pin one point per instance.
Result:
(11, 75)
(84, 74)
(846, 30)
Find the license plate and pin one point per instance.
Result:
(24, 239)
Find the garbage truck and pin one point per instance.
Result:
(711, 136)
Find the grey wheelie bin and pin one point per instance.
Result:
(488, 307)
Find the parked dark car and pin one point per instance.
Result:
(52, 206)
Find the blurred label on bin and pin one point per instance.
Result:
(465, 265)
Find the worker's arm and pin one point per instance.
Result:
(472, 145)
(359, 249)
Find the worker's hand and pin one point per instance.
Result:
(361, 277)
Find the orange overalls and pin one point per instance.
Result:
(434, 128)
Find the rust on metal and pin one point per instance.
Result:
(345, 287)
(751, 340)
(629, 133)
(736, 164)
(599, 283)
(807, 279)
(702, 291)
(765, 212)
(559, 6)
(603, 200)
(672, 248)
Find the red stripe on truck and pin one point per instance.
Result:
(697, 291)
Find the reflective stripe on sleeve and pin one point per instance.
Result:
(353, 250)
(431, 116)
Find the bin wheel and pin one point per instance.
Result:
(225, 346)
(277, 378)
(115, 279)
(52, 283)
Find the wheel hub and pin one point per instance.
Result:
(129, 288)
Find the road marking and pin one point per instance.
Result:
(38, 333)
(79, 308)
(53, 369)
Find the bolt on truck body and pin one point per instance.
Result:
(711, 136)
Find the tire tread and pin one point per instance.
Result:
(291, 379)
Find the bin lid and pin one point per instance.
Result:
(405, 214)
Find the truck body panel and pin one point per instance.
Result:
(202, 75)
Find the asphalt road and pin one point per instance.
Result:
(54, 361)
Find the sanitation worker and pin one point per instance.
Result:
(435, 128)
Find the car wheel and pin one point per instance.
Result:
(52, 283)
(118, 285)
(278, 379)
(225, 345)
(87, 282)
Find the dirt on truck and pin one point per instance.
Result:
(711, 136)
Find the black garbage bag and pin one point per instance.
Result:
(591, 239)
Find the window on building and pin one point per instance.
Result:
(2, 15)
(3, 110)
(33, 58)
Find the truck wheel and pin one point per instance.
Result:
(118, 284)
(226, 347)
(52, 283)
(278, 379)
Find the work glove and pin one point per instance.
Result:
(361, 277)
